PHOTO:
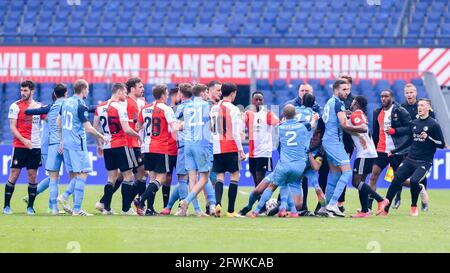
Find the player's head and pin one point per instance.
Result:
(26, 90)
(159, 92)
(349, 81)
(257, 98)
(316, 139)
(423, 108)
(185, 90)
(214, 90)
(174, 94)
(229, 90)
(81, 88)
(410, 93)
(199, 90)
(341, 89)
(119, 91)
(387, 98)
(308, 100)
(289, 111)
(359, 102)
(304, 88)
(135, 87)
(60, 91)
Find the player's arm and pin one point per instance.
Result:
(238, 128)
(16, 133)
(315, 162)
(405, 144)
(83, 116)
(38, 111)
(404, 129)
(342, 116)
(123, 116)
(435, 135)
(59, 127)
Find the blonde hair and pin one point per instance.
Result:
(410, 85)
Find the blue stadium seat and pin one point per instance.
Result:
(417, 81)
(279, 84)
(382, 84)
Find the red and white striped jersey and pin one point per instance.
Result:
(155, 119)
(227, 126)
(111, 113)
(28, 126)
(133, 109)
(260, 125)
(385, 143)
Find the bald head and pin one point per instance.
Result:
(289, 111)
(304, 88)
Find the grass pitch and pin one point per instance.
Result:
(399, 232)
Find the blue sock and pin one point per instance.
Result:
(284, 195)
(70, 188)
(173, 197)
(196, 205)
(343, 180)
(43, 185)
(78, 194)
(210, 192)
(182, 189)
(264, 198)
(332, 180)
(191, 197)
(53, 188)
(252, 198)
(313, 178)
(290, 202)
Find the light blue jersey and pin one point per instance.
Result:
(52, 115)
(74, 113)
(179, 115)
(333, 130)
(303, 114)
(197, 123)
(294, 140)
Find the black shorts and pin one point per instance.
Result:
(260, 164)
(26, 158)
(415, 170)
(118, 158)
(158, 163)
(137, 157)
(172, 163)
(383, 160)
(363, 166)
(227, 162)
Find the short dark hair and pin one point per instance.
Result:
(338, 83)
(198, 89)
(289, 111)
(79, 85)
(257, 93)
(362, 101)
(387, 90)
(348, 78)
(212, 83)
(131, 82)
(60, 90)
(27, 83)
(308, 100)
(185, 89)
(173, 91)
(159, 90)
(228, 88)
(118, 86)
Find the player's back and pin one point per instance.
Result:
(294, 141)
(73, 132)
(363, 141)
(197, 122)
(333, 131)
(52, 116)
(110, 114)
(133, 108)
(226, 126)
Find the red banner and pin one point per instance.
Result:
(104, 64)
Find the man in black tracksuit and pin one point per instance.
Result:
(391, 125)
(424, 137)
(411, 106)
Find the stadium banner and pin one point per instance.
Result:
(153, 64)
(438, 177)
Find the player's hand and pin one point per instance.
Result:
(363, 142)
(99, 152)
(27, 143)
(242, 156)
(423, 135)
(60, 149)
(103, 139)
(34, 105)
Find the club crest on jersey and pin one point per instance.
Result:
(425, 128)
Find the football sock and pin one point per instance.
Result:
(210, 193)
(415, 191)
(9, 190)
(183, 189)
(340, 186)
(32, 188)
(70, 188)
(284, 192)
(252, 198)
(78, 194)
(219, 192)
(43, 185)
(174, 196)
(305, 194)
(264, 198)
(165, 193)
(291, 203)
(332, 180)
(342, 197)
(196, 205)
(152, 188)
(53, 189)
(191, 196)
(363, 196)
(392, 191)
(117, 184)
(107, 195)
(127, 191)
(232, 193)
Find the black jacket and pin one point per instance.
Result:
(413, 112)
(401, 121)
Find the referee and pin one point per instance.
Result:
(425, 137)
